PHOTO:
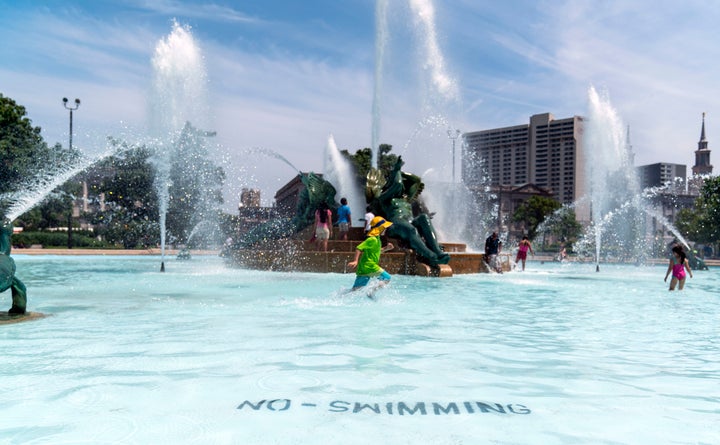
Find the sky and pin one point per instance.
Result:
(281, 77)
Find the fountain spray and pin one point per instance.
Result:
(609, 170)
(178, 96)
(339, 171)
(381, 30)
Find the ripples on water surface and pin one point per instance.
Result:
(205, 354)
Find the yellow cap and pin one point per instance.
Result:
(377, 225)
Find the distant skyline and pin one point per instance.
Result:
(284, 75)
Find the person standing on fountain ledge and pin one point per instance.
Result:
(678, 265)
(323, 226)
(368, 218)
(344, 219)
(493, 246)
(367, 255)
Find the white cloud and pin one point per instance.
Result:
(204, 10)
(654, 61)
(657, 59)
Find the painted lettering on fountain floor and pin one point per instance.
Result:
(389, 408)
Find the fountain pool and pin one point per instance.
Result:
(206, 354)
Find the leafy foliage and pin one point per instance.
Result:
(130, 183)
(57, 239)
(22, 148)
(196, 184)
(126, 181)
(703, 224)
(195, 192)
(566, 227)
(362, 160)
(534, 211)
(26, 160)
(131, 216)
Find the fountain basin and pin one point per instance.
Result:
(203, 353)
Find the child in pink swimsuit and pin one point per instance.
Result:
(523, 250)
(678, 265)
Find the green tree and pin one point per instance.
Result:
(21, 145)
(131, 217)
(196, 185)
(362, 160)
(195, 191)
(566, 226)
(51, 213)
(534, 211)
(27, 162)
(689, 223)
(703, 224)
(129, 183)
(709, 205)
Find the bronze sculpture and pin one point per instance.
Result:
(8, 280)
(397, 199)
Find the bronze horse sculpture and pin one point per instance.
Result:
(8, 280)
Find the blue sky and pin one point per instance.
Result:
(284, 75)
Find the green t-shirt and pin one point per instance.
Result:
(368, 263)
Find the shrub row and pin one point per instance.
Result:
(82, 239)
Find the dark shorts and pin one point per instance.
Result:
(363, 280)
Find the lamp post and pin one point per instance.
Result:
(71, 108)
(70, 212)
(453, 135)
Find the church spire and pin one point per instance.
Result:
(702, 154)
(702, 144)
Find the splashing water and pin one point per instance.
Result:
(203, 227)
(429, 123)
(381, 30)
(619, 208)
(272, 154)
(443, 84)
(612, 178)
(178, 96)
(341, 174)
(440, 92)
(41, 185)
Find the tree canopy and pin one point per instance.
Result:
(534, 211)
(129, 186)
(27, 161)
(703, 223)
(196, 184)
(362, 160)
(22, 148)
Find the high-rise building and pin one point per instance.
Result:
(662, 174)
(546, 152)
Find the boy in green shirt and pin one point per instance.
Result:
(367, 255)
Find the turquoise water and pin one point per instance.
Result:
(209, 355)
